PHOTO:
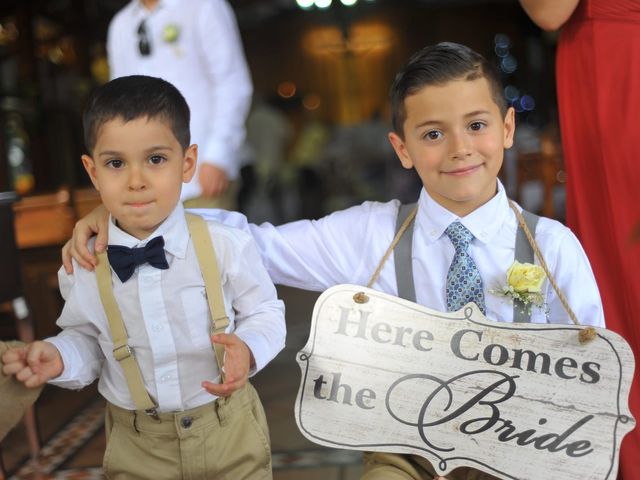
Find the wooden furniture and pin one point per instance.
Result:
(84, 200)
(43, 220)
(546, 167)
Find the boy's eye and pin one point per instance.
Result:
(115, 163)
(475, 126)
(156, 159)
(432, 135)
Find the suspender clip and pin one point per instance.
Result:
(122, 352)
(153, 413)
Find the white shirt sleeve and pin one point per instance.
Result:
(77, 343)
(223, 60)
(571, 270)
(343, 247)
(259, 315)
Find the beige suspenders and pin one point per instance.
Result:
(121, 350)
(211, 275)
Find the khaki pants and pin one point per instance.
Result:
(224, 440)
(393, 466)
(227, 201)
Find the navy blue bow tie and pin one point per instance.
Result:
(124, 260)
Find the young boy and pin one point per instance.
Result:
(451, 124)
(143, 329)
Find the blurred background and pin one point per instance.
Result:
(316, 142)
(316, 134)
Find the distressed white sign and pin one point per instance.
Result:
(519, 401)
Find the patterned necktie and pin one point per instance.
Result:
(464, 283)
(124, 260)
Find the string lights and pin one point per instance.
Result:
(322, 4)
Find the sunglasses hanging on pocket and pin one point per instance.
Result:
(144, 44)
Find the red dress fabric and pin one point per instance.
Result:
(598, 82)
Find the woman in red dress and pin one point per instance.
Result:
(598, 84)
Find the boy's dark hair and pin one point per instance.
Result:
(133, 97)
(437, 65)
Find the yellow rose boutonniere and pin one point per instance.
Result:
(170, 33)
(524, 283)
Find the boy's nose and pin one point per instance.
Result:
(136, 179)
(459, 147)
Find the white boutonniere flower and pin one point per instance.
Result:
(524, 283)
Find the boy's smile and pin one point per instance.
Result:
(138, 167)
(455, 136)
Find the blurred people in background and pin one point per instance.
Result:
(269, 134)
(197, 47)
(598, 83)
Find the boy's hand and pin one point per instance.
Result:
(237, 362)
(96, 222)
(33, 364)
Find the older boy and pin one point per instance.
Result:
(451, 124)
(143, 329)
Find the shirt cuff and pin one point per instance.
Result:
(259, 348)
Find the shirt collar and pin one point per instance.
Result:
(174, 230)
(484, 222)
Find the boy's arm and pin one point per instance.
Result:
(77, 343)
(318, 254)
(259, 318)
(307, 254)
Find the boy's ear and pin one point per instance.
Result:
(90, 167)
(401, 150)
(509, 127)
(189, 163)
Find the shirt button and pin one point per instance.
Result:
(186, 422)
(433, 232)
(156, 327)
(165, 378)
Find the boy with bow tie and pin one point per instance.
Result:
(175, 406)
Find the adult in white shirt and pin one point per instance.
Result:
(196, 46)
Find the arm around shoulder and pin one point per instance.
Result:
(549, 14)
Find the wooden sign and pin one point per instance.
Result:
(518, 401)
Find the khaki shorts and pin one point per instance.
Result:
(394, 466)
(224, 440)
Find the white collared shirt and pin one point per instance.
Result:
(205, 62)
(346, 247)
(167, 318)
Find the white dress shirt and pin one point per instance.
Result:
(167, 318)
(205, 62)
(346, 247)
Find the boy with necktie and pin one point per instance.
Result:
(178, 316)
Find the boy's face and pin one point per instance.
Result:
(455, 136)
(138, 167)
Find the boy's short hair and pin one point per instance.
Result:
(437, 65)
(132, 97)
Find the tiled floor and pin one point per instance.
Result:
(294, 457)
